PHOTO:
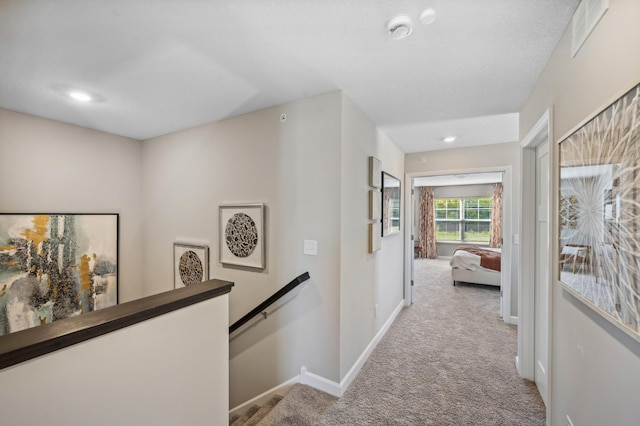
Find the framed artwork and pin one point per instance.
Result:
(375, 204)
(375, 167)
(190, 264)
(242, 241)
(390, 204)
(54, 266)
(599, 212)
(375, 237)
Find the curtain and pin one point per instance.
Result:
(495, 238)
(426, 223)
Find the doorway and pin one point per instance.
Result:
(459, 178)
(536, 266)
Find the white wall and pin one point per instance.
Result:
(595, 367)
(367, 280)
(464, 191)
(168, 370)
(476, 158)
(310, 171)
(51, 167)
(291, 167)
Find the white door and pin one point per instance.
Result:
(541, 310)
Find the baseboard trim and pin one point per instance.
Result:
(346, 381)
(338, 389)
(261, 399)
(518, 365)
(321, 383)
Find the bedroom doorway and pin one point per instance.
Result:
(469, 194)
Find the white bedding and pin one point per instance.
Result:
(469, 261)
(465, 267)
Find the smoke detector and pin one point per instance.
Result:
(399, 27)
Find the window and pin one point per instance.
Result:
(463, 219)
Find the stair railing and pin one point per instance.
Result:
(260, 309)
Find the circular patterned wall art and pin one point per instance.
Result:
(241, 235)
(191, 269)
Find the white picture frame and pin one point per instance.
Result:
(190, 264)
(375, 237)
(375, 172)
(242, 235)
(375, 204)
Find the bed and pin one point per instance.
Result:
(477, 265)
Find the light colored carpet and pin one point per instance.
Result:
(302, 406)
(446, 360)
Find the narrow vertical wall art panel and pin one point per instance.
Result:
(54, 266)
(375, 237)
(375, 170)
(375, 204)
(599, 213)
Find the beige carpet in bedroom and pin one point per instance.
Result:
(447, 360)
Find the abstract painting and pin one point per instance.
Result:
(54, 266)
(190, 264)
(599, 213)
(242, 235)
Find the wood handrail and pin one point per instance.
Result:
(36, 341)
(277, 295)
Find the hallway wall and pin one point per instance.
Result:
(311, 173)
(595, 366)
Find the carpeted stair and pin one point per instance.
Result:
(302, 406)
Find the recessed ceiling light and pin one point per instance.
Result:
(80, 96)
(449, 139)
(399, 27)
(428, 16)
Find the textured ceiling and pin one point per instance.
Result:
(161, 66)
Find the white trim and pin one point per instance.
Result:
(525, 361)
(281, 389)
(507, 182)
(319, 382)
(526, 289)
(316, 381)
(348, 378)
(513, 320)
(408, 241)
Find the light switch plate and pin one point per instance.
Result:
(311, 247)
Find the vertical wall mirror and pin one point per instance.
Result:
(390, 204)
